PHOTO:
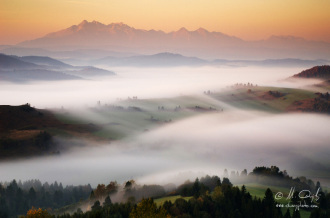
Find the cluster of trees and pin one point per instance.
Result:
(42, 143)
(272, 176)
(244, 85)
(315, 72)
(200, 187)
(275, 94)
(321, 104)
(104, 190)
(209, 196)
(136, 193)
(17, 198)
(324, 96)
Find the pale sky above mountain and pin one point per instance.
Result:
(247, 19)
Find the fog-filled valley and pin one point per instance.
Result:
(167, 125)
(144, 83)
(164, 109)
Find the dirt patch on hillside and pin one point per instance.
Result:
(302, 106)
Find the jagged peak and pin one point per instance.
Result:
(84, 22)
(120, 25)
(201, 30)
(182, 29)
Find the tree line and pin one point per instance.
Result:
(209, 196)
(17, 198)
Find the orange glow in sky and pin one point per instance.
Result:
(247, 19)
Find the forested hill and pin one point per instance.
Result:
(208, 196)
(24, 117)
(27, 131)
(322, 72)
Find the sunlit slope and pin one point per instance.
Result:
(269, 99)
(133, 116)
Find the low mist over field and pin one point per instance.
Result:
(205, 144)
(165, 108)
(140, 82)
(230, 138)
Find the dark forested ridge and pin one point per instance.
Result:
(22, 131)
(27, 131)
(321, 72)
(16, 198)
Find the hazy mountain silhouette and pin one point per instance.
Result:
(286, 62)
(29, 68)
(90, 72)
(202, 43)
(44, 61)
(173, 60)
(156, 60)
(10, 62)
(95, 34)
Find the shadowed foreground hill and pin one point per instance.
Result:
(26, 131)
(24, 117)
(322, 72)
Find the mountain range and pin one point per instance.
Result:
(120, 37)
(167, 59)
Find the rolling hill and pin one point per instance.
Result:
(320, 72)
(27, 131)
(11, 62)
(44, 61)
(34, 68)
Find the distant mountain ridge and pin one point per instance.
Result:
(29, 68)
(96, 34)
(9, 62)
(44, 61)
(167, 59)
(201, 42)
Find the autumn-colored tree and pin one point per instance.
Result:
(37, 213)
(100, 191)
(112, 187)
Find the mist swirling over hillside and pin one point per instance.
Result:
(234, 138)
(141, 82)
(205, 144)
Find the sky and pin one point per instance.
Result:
(247, 19)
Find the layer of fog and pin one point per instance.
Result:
(143, 83)
(207, 144)
(235, 139)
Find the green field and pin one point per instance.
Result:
(258, 190)
(257, 98)
(129, 117)
(160, 201)
(133, 116)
